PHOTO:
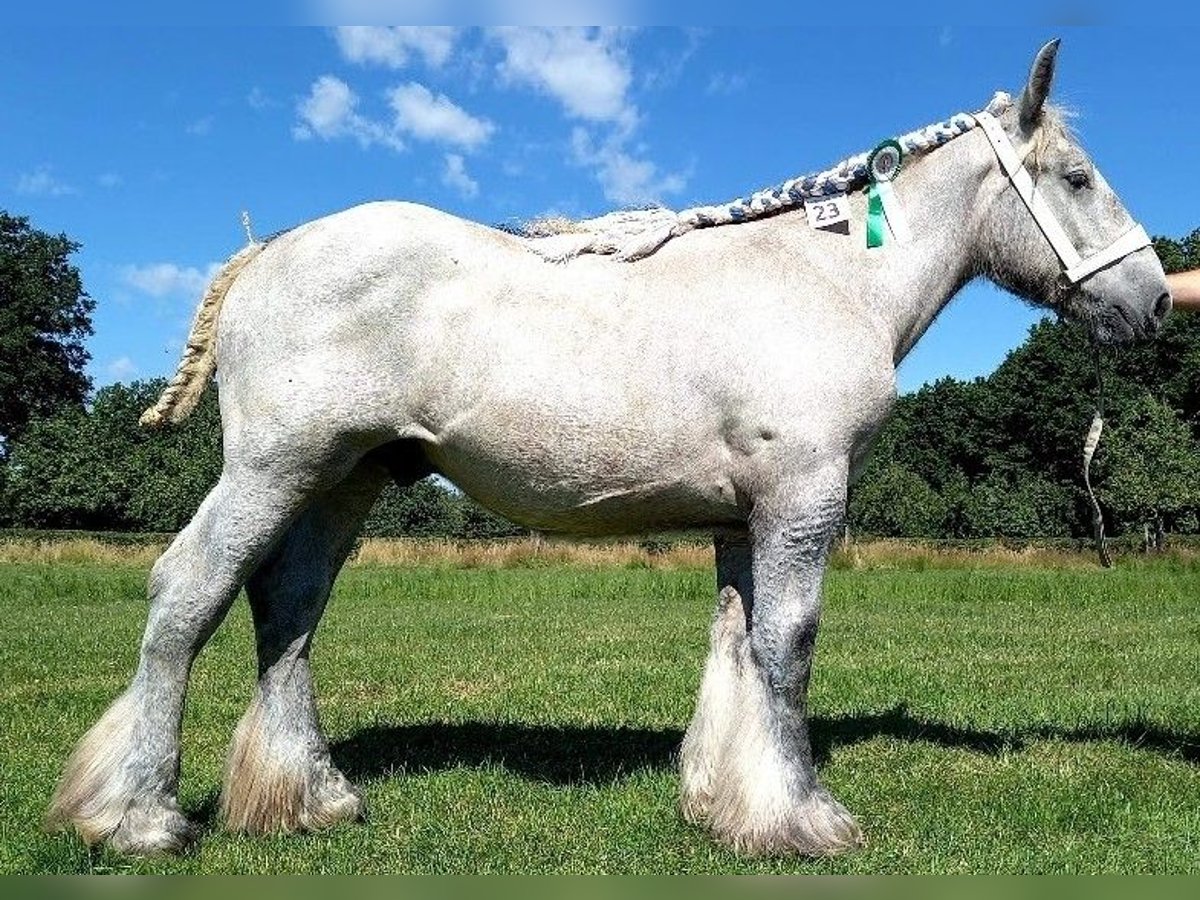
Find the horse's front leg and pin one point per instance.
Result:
(765, 796)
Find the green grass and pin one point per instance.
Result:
(526, 720)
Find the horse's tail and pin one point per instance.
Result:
(199, 360)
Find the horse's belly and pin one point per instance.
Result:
(588, 489)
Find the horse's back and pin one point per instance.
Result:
(359, 243)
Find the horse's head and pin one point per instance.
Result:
(1055, 233)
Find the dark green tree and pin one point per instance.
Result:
(1151, 470)
(424, 510)
(938, 431)
(52, 477)
(1179, 255)
(478, 523)
(45, 315)
(1005, 505)
(896, 502)
(432, 509)
(934, 445)
(97, 468)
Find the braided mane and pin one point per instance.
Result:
(629, 235)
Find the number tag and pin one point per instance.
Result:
(826, 212)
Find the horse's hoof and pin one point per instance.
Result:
(290, 801)
(340, 801)
(153, 831)
(818, 826)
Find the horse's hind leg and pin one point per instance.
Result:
(120, 783)
(279, 776)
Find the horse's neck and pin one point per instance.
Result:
(940, 197)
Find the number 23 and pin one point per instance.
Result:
(827, 211)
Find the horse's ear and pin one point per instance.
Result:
(1041, 74)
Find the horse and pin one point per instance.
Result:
(722, 369)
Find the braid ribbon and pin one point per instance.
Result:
(841, 178)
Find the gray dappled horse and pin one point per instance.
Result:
(728, 379)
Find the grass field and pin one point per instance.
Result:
(975, 717)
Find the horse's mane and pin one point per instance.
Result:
(632, 234)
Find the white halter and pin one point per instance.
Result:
(1076, 267)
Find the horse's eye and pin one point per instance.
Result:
(1078, 179)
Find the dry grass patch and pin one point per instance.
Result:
(79, 551)
(530, 553)
(507, 554)
(901, 554)
(887, 554)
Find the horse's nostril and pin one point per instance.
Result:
(1162, 306)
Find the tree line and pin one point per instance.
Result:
(998, 456)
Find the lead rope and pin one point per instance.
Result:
(1089, 450)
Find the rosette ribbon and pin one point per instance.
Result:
(883, 206)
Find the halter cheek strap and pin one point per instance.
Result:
(1076, 267)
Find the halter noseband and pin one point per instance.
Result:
(1076, 266)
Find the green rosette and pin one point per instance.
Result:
(882, 165)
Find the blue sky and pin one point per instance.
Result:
(144, 144)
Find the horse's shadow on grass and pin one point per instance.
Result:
(569, 755)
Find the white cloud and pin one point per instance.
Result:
(329, 112)
(258, 99)
(624, 178)
(328, 108)
(201, 127)
(110, 180)
(122, 368)
(584, 69)
(167, 279)
(421, 114)
(393, 45)
(725, 83)
(42, 182)
(945, 36)
(668, 69)
(588, 71)
(455, 176)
